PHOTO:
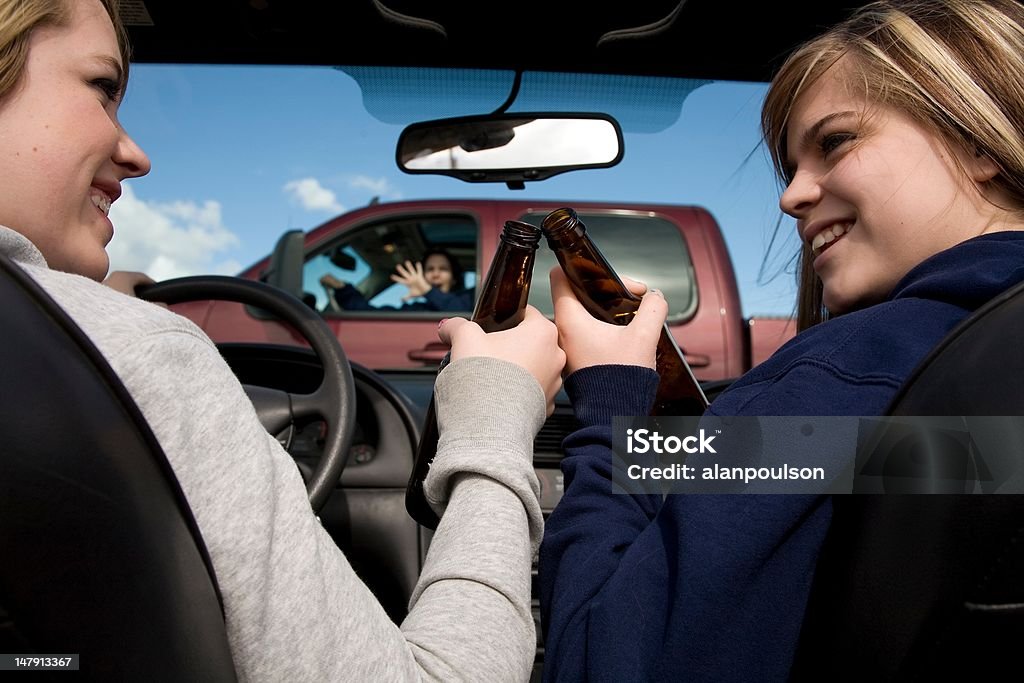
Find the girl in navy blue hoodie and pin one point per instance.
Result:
(898, 137)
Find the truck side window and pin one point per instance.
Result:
(640, 246)
(352, 273)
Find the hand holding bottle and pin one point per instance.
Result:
(532, 344)
(500, 307)
(597, 289)
(588, 341)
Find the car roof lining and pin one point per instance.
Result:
(703, 39)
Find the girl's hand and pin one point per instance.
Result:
(588, 341)
(328, 281)
(411, 275)
(532, 344)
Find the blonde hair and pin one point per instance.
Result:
(954, 66)
(19, 18)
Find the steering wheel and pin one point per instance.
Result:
(334, 400)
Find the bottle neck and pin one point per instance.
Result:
(522, 235)
(563, 227)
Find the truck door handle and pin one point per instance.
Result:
(433, 353)
(697, 360)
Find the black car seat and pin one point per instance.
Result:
(919, 587)
(99, 552)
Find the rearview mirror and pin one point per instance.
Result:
(343, 259)
(511, 148)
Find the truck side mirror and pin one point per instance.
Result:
(285, 269)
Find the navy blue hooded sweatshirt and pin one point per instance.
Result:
(714, 587)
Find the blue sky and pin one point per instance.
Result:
(241, 154)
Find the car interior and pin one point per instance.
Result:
(100, 554)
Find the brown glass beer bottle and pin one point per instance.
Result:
(602, 293)
(501, 305)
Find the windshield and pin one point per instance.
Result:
(241, 154)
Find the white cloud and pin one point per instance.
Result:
(378, 186)
(166, 240)
(312, 196)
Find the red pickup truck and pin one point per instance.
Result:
(678, 249)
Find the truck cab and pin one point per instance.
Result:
(677, 249)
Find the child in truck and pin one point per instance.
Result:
(899, 136)
(437, 279)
